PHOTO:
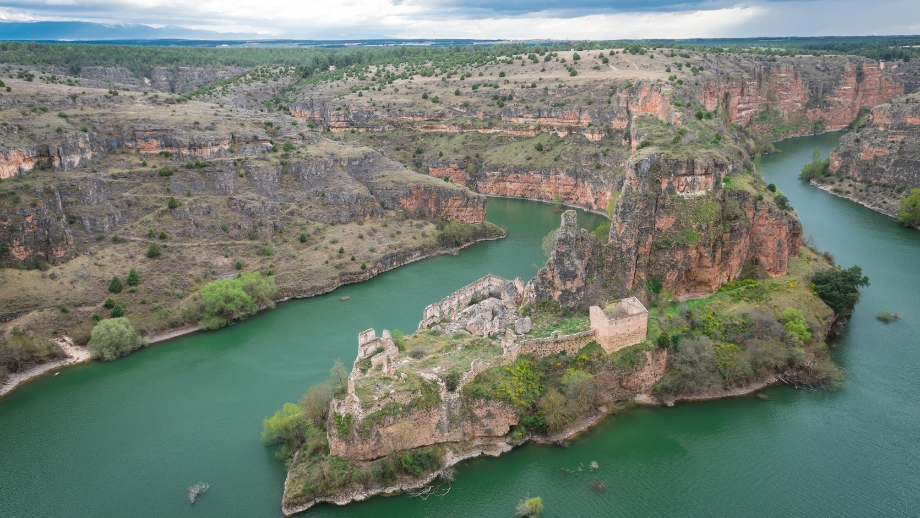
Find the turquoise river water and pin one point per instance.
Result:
(127, 438)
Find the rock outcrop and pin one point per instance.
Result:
(64, 153)
(570, 267)
(453, 420)
(886, 149)
(676, 223)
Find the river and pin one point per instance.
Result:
(128, 437)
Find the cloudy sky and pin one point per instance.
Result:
(487, 19)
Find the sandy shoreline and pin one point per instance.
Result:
(75, 354)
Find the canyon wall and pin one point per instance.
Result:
(585, 188)
(805, 95)
(331, 185)
(675, 222)
(886, 149)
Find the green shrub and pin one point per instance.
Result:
(816, 168)
(153, 251)
(530, 507)
(602, 231)
(133, 278)
(451, 380)
(115, 285)
(288, 146)
(117, 311)
(109, 303)
(172, 203)
(887, 316)
(795, 325)
(113, 338)
(782, 201)
(302, 238)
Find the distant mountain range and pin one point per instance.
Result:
(87, 31)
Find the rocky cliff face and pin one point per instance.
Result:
(885, 150)
(640, 99)
(675, 222)
(804, 95)
(570, 269)
(34, 234)
(586, 189)
(175, 80)
(335, 184)
(66, 153)
(454, 420)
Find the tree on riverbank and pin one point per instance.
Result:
(909, 213)
(839, 289)
(231, 299)
(816, 168)
(114, 337)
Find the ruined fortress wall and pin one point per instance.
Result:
(540, 347)
(450, 306)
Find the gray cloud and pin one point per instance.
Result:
(577, 19)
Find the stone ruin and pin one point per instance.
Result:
(620, 324)
(381, 351)
(487, 307)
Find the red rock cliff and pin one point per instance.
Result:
(693, 239)
(779, 98)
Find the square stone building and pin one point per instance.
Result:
(620, 324)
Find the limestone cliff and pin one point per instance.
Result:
(803, 95)
(676, 222)
(886, 149)
(581, 187)
(570, 268)
(673, 222)
(454, 420)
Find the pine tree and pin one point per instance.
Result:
(133, 278)
(115, 286)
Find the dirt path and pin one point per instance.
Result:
(74, 353)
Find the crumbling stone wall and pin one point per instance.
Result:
(540, 347)
(453, 304)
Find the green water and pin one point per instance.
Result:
(127, 438)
